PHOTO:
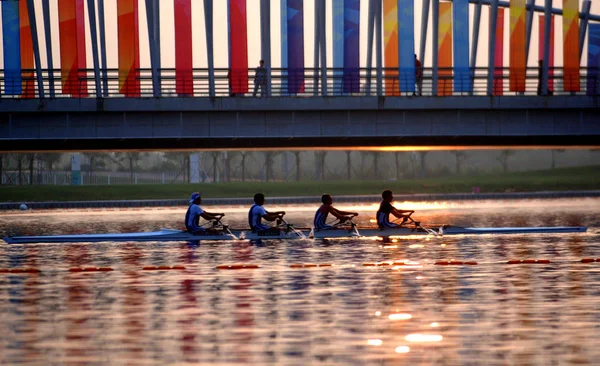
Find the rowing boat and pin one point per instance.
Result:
(288, 233)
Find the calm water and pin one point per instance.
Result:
(491, 313)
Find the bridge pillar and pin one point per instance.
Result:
(194, 168)
(76, 169)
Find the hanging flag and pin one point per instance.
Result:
(284, 48)
(445, 49)
(498, 85)
(571, 45)
(129, 51)
(593, 79)
(295, 29)
(390, 41)
(551, 54)
(11, 41)
(71, 29)
(406, 39)
(27, 64)
(351, 47)
(338, 45)
(518, 52)
(238, 46)
(184, 79)
(462, 73)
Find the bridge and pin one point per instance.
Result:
(452, 98)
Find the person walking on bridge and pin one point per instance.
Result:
(260, 79)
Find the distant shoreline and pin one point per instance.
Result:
(303, 200)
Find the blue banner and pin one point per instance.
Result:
(351, 46)
(284, 47)
(593, 80)
(338, 45)
(11, 41)
(406, 45)
(295, 36)
(462, 74)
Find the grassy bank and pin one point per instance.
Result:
(565, 179)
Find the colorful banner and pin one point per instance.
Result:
(390, 41)
(11, 42)
(71, 29)
(129, 51)
(351, 46)
(184, 77)
(498, 85)
(571, 45)
(295, 29)
(338, 45)
(518, 51)
(27, 64)
(284, 47)
(238, 46)
(462, 73)
(593, 80)
(406, 39)
(445, 49)
(551, 54)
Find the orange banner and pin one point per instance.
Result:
(445, 50)
(72, 47)
(27, 64)
(571, 45)
(518, 46)
(390, 41)
(129, 48)
(498, 86)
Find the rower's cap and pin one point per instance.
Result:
(194, 197)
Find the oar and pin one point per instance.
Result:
(288, 226)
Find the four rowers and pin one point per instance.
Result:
(257, 213)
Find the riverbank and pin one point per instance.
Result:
(556, 183)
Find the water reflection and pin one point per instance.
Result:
(491, 313)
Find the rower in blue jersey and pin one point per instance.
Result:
(257, 213)
(386, 208)
(326, 209)
(194, 213)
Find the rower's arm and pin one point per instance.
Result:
(211, 215)
(272, 216)
(401, 213)
(341, 215)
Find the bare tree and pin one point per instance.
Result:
(31, 160)
(298, 165)
(422, 156)
(349, 164)
(459, 157)
(215, 160)
(269, 162)
(503, 159)
(244, 155)
(18, 158)
(132, 159)
(320, 164)
(398, 165)
(50, 160)
(553, 152)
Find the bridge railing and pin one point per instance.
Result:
(308, 84)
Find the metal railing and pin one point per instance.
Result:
(308, 83)
(95, 178)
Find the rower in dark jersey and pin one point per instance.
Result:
(386, 208)
(326, 209)
(194, 213)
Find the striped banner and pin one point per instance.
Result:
(593, 80)
(129, 51)
(390, 41)
(351, 46)
(184, 78)
(27, 64)
(445, 49)
(406, 39)
(295, 32)
(238, 46)
(462, 74)
(71, 29)
(498, 86)
(284, 47)
(338, 45)
(518, 52)
(11, 41)
(571, 45)
(551, 54)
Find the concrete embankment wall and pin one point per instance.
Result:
(300, 200)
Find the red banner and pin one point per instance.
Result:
(184, 81)
(27, 64)
(541, 50)
(72, 47)
(498, 86)
(129, 48)
(238, 47)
